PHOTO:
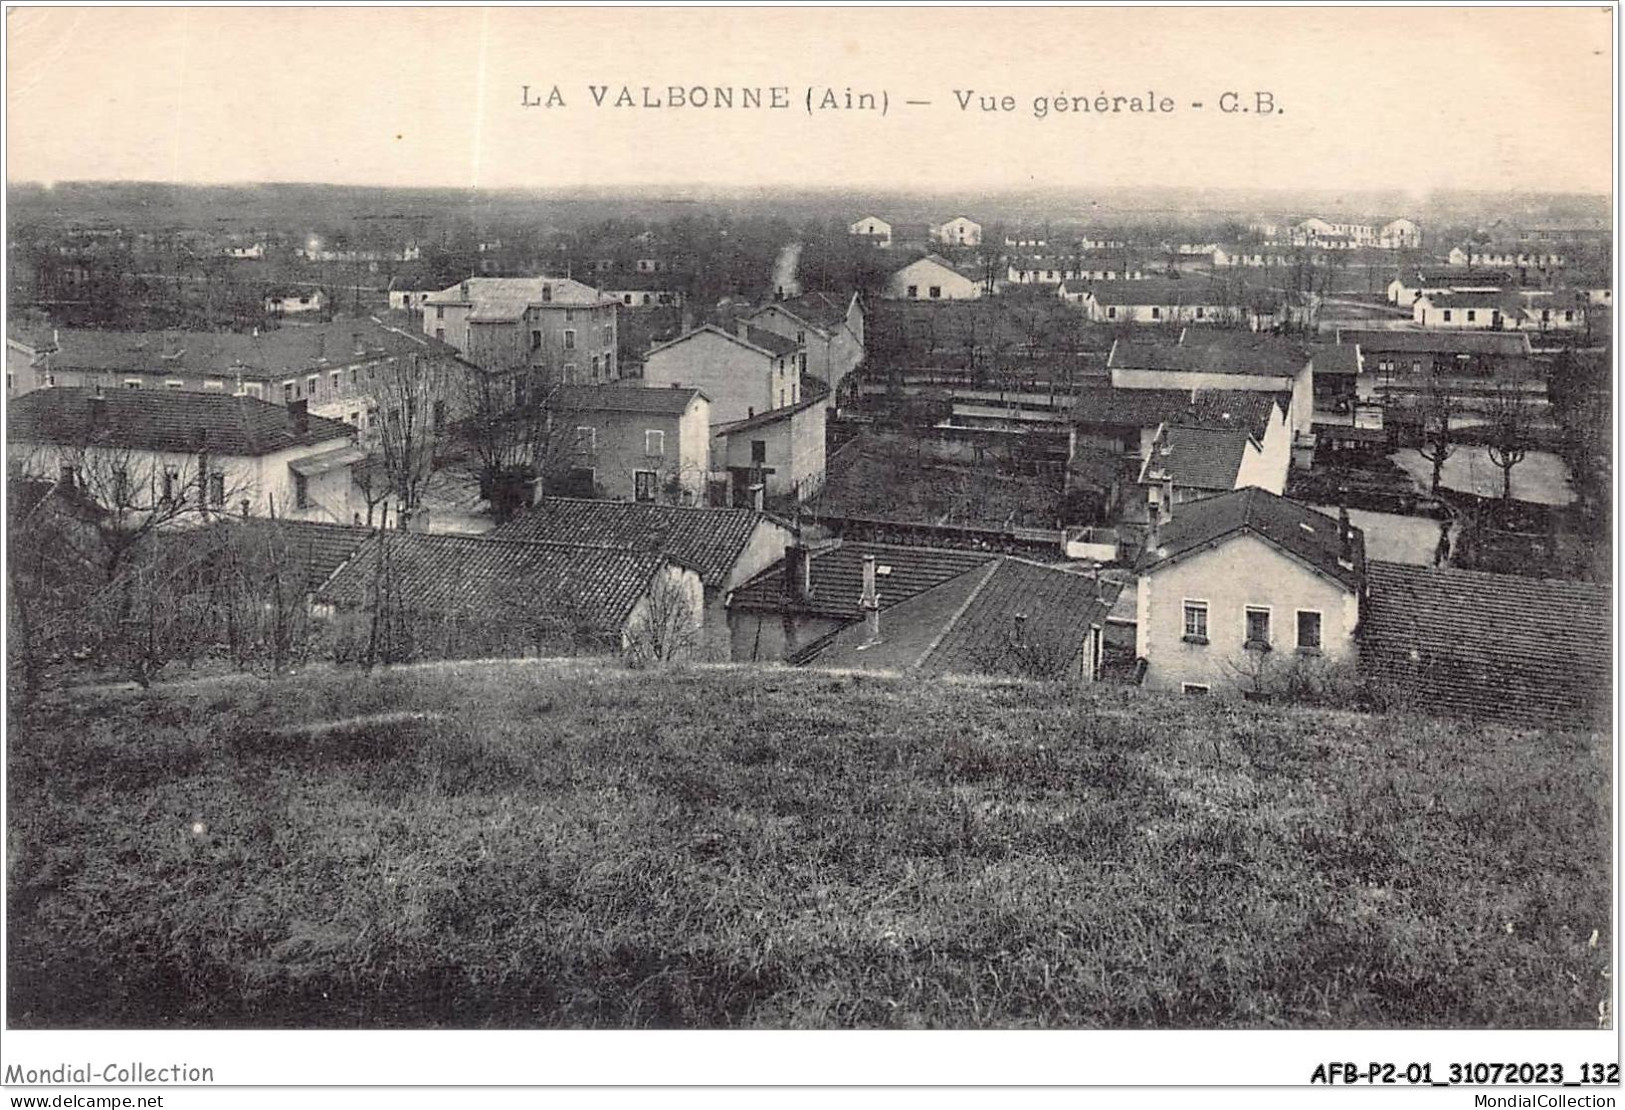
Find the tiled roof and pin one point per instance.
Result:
(1309, 536)
(502, 297)
(1512, 344)
(1491, 299)
(1525, 649)
(770, 340)
(1336, 358)
(314, 549)
(164, 420)
(823, 311)
(1200, 458)
(708, 540)
(967, 625)
(623, 398)
(1146, 408)
(1159, 291)
(813, 392)
(456, 574)
(774, 351)
(1213, 352)
(282, 352)
(837, 578)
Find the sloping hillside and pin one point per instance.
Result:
(549, 844)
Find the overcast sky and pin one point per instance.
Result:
(1371, 98)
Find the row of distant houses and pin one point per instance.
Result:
(960, 231)
(1491, 300)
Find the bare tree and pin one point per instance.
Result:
(518, 430)
(1438, 408)
(412, 397)
(669, 628)
(1511, 432)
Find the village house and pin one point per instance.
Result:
(932, 279)
(1082, 267)
(725, 547)
(1217, 447)
(1530, 311)
(635, 293)
(1471, 366)
(828, 327)
(1162, 301)
(1225, 361)
(815, 591)
(333, 368)
(1506, 258)
(874, 229)
(776, 454)
(218, 454)
(629, 443)
(1407, 287)
(410, 290)
(473, 596)
(1008, 617)
(961, 231)
(502, 324)
(1400, 234)
(1345, 389)
(1236, 591)
(294, 302)
(1528, 650)
(744, 372)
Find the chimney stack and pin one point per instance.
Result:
(1345, 528)
(299, 415)
(758, 497)
(870, 601)
(798, 572)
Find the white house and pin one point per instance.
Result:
(961, 231)
(1405, 288)
(213, 452)
(1510, 258)
(294, 302)
(1160, 301)
(828, 327)
(1209, 451)
(932, 279)
(743, 372)
(1400, 234)
(873, 228)
(1496, 311)
(1237, 590)
(1204, 360)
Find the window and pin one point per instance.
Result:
(337, 378)
(1258, 627)
(913, 291)
(217, 489)
(301, 492)
(171, 476)
(355, 418)
(535, 340)
(439, 314)
(1308, 630)
(1111, 313)
(597, 365)
(1447, 315)
(1156, 312)
(758, 452)
(1472, 315)
(643, 485)
(287, 391)
(569, 339)
(587, 439)
(1200, 312)
(654, 442)
(547, 294)
(440, 334)
(1198, 689)
(1569, 316)
(569, 372)
(1195, 622)
(609, 332)
(569, 315)
(936, 292)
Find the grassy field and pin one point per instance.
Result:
(554, 845)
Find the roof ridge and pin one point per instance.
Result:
(948, 625)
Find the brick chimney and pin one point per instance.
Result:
(870, 601)
(798, 572)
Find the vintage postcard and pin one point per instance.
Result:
(573, 522)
